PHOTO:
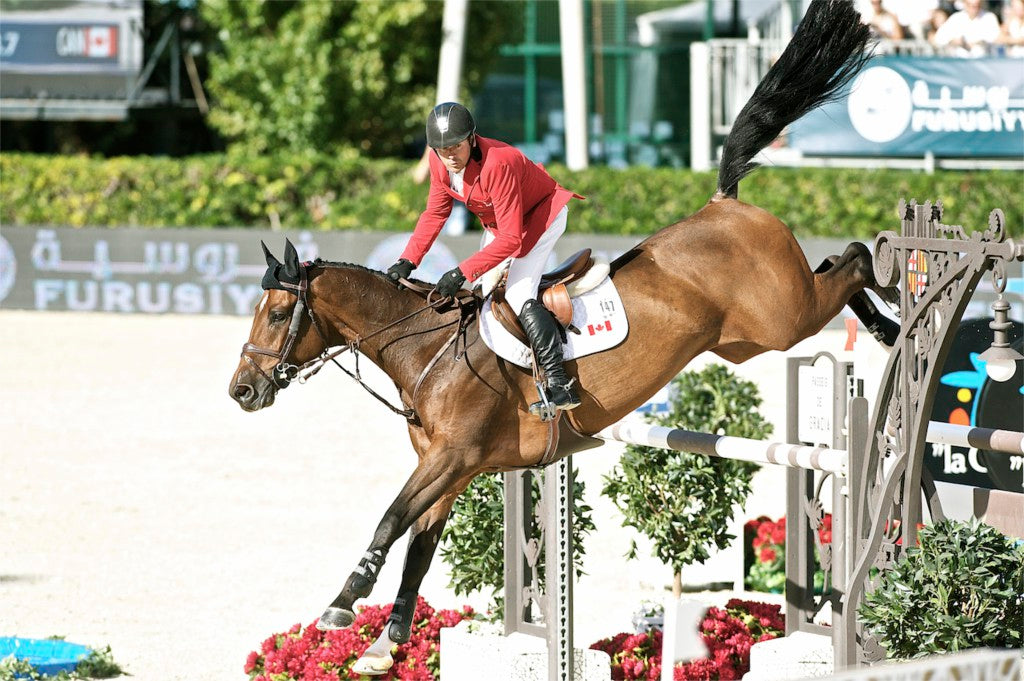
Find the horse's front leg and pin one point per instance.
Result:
(425, 535)
(433, 477)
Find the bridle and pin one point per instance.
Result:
(284, 373)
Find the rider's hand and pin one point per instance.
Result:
(400, 270)
(450, 283)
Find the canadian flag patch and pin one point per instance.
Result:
(594, 329)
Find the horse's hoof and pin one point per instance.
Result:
(372, 665)
(890, 295)
(335, 618)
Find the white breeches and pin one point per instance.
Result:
(524, 272)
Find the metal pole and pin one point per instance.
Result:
(709, 20)
(844, 622)
(514, 569)
(700, 107)
(449, 67)
(453, 38)
(176, 65)
(574, 94)
(621, 71)
(530, 75)
(558, 497)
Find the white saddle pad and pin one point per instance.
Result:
(598, 314)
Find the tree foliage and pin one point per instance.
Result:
(473, 542)
(319, 75)
(683, 502)
(961, 588)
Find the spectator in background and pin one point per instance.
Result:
(970, 31)
(882, 22)
(915, 16)
(1012, 31)
(940, 15)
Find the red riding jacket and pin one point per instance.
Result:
(514, 198)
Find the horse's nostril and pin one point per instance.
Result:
(243, 392)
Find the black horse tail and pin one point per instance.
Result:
(827, 50)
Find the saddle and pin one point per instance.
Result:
(575, 276)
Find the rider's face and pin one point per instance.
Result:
(456, 156)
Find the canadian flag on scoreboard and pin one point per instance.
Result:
(101, 41)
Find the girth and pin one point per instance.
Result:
(564, 439)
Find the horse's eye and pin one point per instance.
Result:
(278, 317)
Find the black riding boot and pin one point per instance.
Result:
(542, 330)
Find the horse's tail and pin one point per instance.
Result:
(827, 50)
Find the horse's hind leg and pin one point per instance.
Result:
(858, 258)
(433, 477)
(425, 535)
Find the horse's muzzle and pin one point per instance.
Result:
(249, 397)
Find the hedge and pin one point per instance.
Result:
(326, 192)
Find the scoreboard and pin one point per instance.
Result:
(56, 52)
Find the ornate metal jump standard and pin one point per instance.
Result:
(940, 266)
(531, 608)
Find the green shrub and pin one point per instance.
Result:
(683, 502)
(473, 542)
(346, 191)
(217, 190)
(99, 664)
(961, 588)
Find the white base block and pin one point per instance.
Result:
(797, 656)
(467, 656)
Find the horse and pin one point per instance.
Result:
(730, 279)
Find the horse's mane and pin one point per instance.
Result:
(345, 265)
(328, 264)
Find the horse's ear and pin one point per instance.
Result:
(291, 260)
(271, 260)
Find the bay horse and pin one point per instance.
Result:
(730, 279)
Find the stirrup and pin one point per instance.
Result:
(545, 408)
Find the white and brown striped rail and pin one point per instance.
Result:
(728, 447)
(796, 456)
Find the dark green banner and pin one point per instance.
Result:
(908, 106)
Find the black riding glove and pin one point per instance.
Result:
(400, 270)
(450, 283)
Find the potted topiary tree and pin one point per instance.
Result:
(683, 502)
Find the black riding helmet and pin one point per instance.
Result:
(448, 124)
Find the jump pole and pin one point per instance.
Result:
(728, 447)
(797, 456)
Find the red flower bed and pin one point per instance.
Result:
(766, 557)
(308, 654)
(769, 535)
(728, 634)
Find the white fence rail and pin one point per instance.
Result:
(797, 456)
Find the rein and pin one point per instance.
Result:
(284, 373)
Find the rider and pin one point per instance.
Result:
(523, 211)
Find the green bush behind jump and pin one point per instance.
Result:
(324, 192)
